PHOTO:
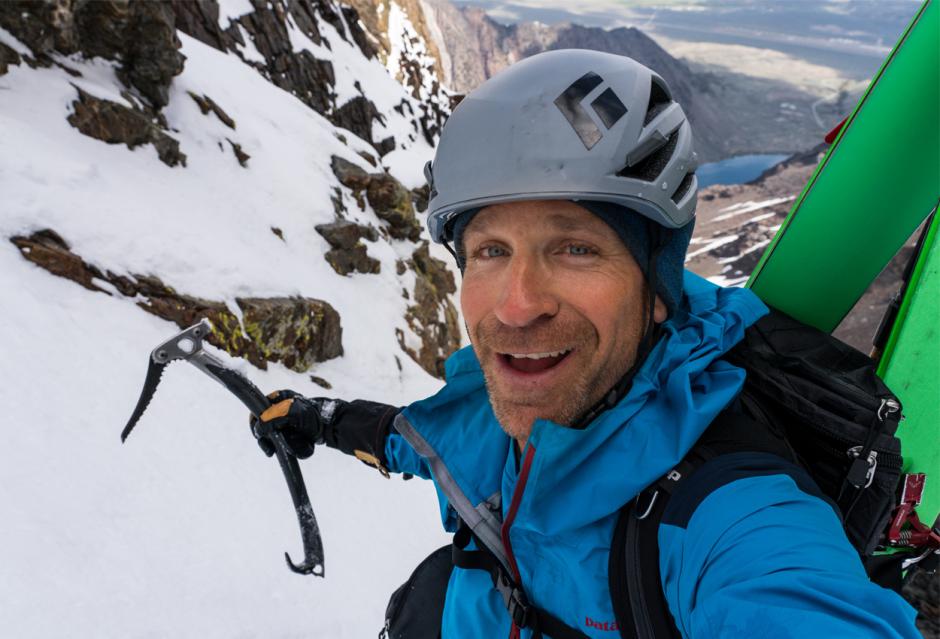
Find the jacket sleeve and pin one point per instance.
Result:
(364, 429)
(765, 555)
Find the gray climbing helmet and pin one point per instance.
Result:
(566, 125)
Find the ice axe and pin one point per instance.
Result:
(187, 346)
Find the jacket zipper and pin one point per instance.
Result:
(641, 615)
(507, 524)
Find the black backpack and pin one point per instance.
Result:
(809, 400)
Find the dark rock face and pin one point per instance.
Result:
(7, 57)
(41, 26)
(348, 253)
(392, 203)
(200, 19)
(141, 35)
(295, 331)
(306, 77)
(432, 317)
(117, 124)
(47, 249)
(349, 174)
(420, 197)
(240, 155)
(389, 199)
(359, 36)
(150, 53)
(357, 115)
(207, 105)
(923, 591)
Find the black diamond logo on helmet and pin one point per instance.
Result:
(607, 106)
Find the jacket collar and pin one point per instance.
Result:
(578, 477)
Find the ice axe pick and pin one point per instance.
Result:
(187, 346)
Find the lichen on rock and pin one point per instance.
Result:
(295, 331)
(432, 317)
(391, 201)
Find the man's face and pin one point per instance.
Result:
(554, 305)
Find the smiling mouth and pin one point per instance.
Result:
(534, 362)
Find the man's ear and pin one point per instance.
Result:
(660, 312)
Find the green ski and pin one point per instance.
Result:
(877, 183)
(910, 365)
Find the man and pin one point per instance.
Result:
(566, 184)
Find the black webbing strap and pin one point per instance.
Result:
(522, 613)
(640, 606)
(635, 581)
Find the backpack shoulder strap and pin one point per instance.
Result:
(735, 445)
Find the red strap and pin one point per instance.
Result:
(832, 135)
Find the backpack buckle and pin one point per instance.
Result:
(518, 609)
(513, 598)
(862, 471)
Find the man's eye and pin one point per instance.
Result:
(577, 249)
(492, 251)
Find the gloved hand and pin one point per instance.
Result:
(301, 420)
(357, 428)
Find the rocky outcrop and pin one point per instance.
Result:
(7, 57)
(357, 115)
(117, 124)
(138, 34)
(348, 253)
(298, 72)
(922, 589)
(391, 201)
(207, 105)
(432, 317)
(294, 331)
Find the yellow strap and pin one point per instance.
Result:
(277, 410)
(372, 460)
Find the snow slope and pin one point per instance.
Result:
(180, 532)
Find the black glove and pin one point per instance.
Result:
(356, 428)
(299, 419)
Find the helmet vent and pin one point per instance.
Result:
(659, 100)
(649, 168)
(684, 187)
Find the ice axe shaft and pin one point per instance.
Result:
(187, 346)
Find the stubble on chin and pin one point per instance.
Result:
(569, 398)
(561, 403)
(517, 414)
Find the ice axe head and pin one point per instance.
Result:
(180, 347)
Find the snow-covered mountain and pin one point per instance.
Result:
(249, 162)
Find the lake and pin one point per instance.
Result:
(736, 170)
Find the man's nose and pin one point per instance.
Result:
(526, 293)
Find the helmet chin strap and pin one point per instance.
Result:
(651, 335)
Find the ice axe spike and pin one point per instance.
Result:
(187, 346)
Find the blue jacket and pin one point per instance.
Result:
(759, 555)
